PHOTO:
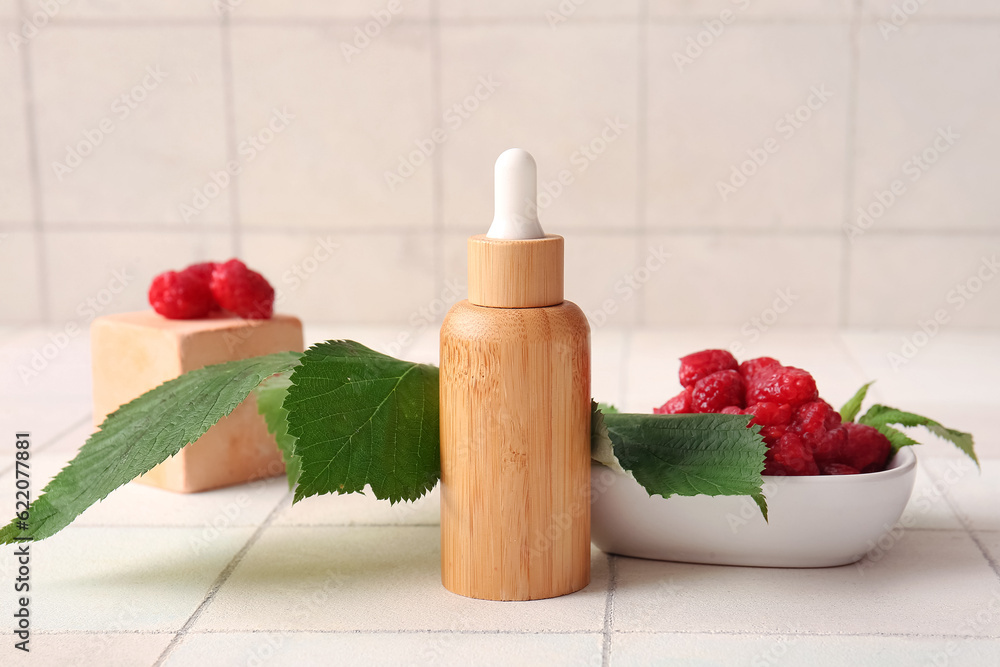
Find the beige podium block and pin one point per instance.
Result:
(134, 352)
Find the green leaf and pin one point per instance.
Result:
(360, 417)
(607, 408)
(687, 455)
(882, 415)
(270, 395)
(601, 449)
(142, 433)
(853, 406)
(897, 438)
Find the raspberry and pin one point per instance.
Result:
(838, 469)
(702, 364)
(717, 391)
(769, 414)
(730, 410)
(202, 271)
(180, 296)
(866, 448)
(789, 456)
(771, 434)
(242, 291)
(752, 367)
(783, 384)
(828, 448)
(811, 417)
(678, 405)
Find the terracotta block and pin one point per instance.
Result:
(134, 352)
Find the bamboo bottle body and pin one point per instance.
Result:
(515, 451)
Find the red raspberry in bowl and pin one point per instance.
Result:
(866, 448)
(769, 414)
(180, 296)
(783, 384)
(719, 390)
(678, 405)
(242, 291)
(789, 456)
(702, 364)
(753, 367)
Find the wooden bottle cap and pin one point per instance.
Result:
(516, 273)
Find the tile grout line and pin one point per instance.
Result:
(609, 611)
(437, 160)
(705, 231)
(641, 152)
(34, 168)
(220, 581)
(229, 110)
(54, 439)
(967, 525)
(522, 632)
(854, 67)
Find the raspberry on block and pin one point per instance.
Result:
(134, 352)
(702, 364)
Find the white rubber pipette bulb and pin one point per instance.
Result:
(515, 195)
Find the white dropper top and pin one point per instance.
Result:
(515, 213)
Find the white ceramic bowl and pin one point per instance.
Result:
(817, 521)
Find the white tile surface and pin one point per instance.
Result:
(553, 15)
(745, 116)
(757, 9)
(360, 10)
(77, 649)
(15, 183)
(156, 153)
(327, 168)
(915, 90)
(19, 288)
(355, 509)
(868, 598)
(401, 649)
(975, 495)
(126, 10)
(704, 650)
(87, 268)
(536, 71)
(385, 578)
(371, 278)
(887, 9)
(135, 578)
(957, 275)
(798, 276)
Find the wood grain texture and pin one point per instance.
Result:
(506, 273)
(515, 451)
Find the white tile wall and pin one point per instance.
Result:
(562, 75)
